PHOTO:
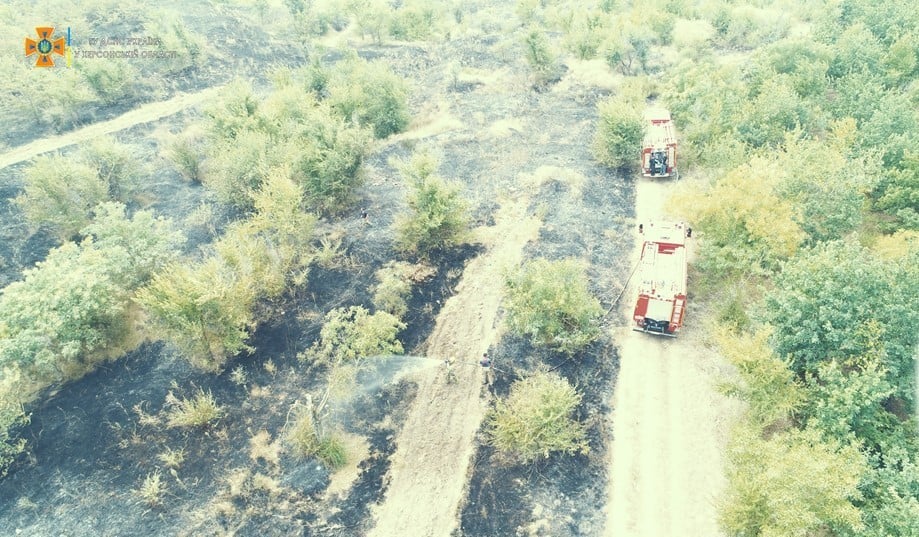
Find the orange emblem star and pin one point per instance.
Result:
(45, 46)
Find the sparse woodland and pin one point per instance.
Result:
(799, 137)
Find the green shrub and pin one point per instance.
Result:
(549, 301)
(198, 411)
(186, 153)
(412, 22)
(112, 80)
(116, 164)
(353, 334)
(307, 439)
(535, 419)
(203, 309)
(540, 56)
(61, 192)
(12, 417)
(437, 216)
(70, 308)
(393, 289)
(617, 142)
(370, 94)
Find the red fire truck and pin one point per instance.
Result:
(661, 300)
(658, 149)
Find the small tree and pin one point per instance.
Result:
(542, 59)
(393, 288)
(535, 420)
(549, 302)
(370, 94)
(61, 192)
(204, 310)
(617, 142)
(353, 334)
(438, 216)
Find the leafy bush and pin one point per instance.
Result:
(437, 216)
(61, 192)
(535, 419)
(617, 142)
(857, 303)
(71, 307)
(307, 439)
(540, 56)
(186, 152)
(370, 94)
(203, 309)
(289, 132)
(794, 483)
(198, 411)
(353, 334)
(111, 80)
(12, 417)
(393, 288)
(550, 302)
(412, 22)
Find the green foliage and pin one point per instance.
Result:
(64, 310)
(116, 164)
(61, 192)
(535, 419)
(112, 80)
(186, 153)
(353, 335)
(136, 247)
(204, 309)
(846, 398)
(837, 301)
(198, 411)
(289, 132)
(437, 217)
(792, 484)
(891, 503)
(764, 381)
(181, 49)
(549, 301)
(369, 94)
(540, 56)
(393, 288)
(12, 417)
(71, 307)
(412, 22)
(617, 142)
(776, 110)
(307, 438)
(898, 193)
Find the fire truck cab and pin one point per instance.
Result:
(658, 152)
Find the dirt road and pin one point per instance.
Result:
(670, 425)
(142, 114)
(430, 465)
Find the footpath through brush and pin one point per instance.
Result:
(430, 466)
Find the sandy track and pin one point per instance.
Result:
(429, 468)
(142, 114)
(670, 425)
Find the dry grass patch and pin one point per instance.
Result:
(198, 411)
(261, 447)
(152, 490)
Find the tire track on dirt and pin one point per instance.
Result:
(670, 425)
(434, 449)
(142, 114)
